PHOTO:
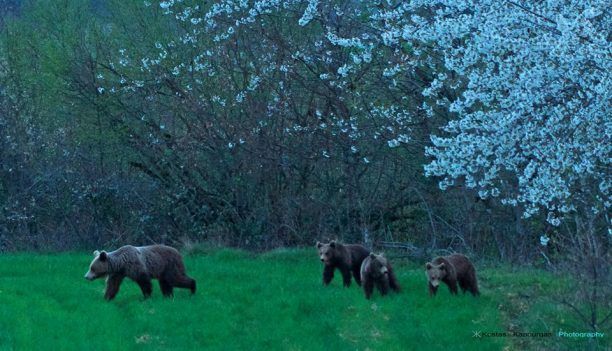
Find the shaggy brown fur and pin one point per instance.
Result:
(376, 270)
(141, 264)
(347, 258)
(451, 270)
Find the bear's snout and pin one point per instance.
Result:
(89, 276)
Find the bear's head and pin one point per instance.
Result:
(99, 266)
(435, 273)
(327, 252)
(378, 265)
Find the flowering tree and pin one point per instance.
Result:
(528, 84)
(272, 92)
(534, 103)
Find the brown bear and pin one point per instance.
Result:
(347, 258)
(141, 264)
(451, 270)
(376, 270)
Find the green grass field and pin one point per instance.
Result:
(272, 301)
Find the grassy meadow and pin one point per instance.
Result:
(271, 301)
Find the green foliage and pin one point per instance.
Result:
(269, 301)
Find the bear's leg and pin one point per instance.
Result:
(452, 286)
(112, 286)
(368, 287)
(145, 286)
(393, 282)
(346, 276)
(383, 286)
(165, 287)
(328, 274)
(463, 284)
(193, 286)
(472, 284)
(186, 283)
(432, 290)
(357, 275)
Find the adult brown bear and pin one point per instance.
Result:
(346, 258)
(141, 264)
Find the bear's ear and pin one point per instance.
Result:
(332, 243)
(103, 256)
(96, 253)
(372, 255)
(319, 245)
(442, 266)
(428, 265)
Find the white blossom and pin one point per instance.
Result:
(309, 13)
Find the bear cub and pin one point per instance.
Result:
(141, 264)
(376, 270)
(451, 270)
(346, 258)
